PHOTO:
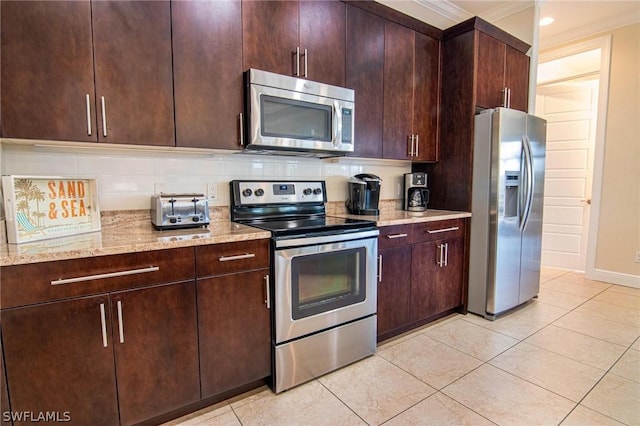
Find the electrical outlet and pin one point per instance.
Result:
(637, 256)
(212, 191)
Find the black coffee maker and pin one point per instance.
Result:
(364, 194)
(416, 194)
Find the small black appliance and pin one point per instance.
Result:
(364, 194)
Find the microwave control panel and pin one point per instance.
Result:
(272, 192)
(347, 125)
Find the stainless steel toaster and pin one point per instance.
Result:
(174, 211)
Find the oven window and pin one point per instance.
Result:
(287, 118)
(326, 281)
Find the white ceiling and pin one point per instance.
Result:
(573, 18)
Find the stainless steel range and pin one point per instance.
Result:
(323, 278)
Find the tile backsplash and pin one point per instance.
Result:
(128, 177)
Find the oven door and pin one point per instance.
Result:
(323, 282)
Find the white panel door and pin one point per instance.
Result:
(570, 109)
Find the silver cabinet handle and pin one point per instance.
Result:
(297, 55)
(440, 261)
(267, 300)
(104, 117)
(394, 236)
(379, 268)
(437, 231)
(241, 132)
(504, 97)
(305, 63)
(446, 254)
(238, 257)
(120, 322)
(509, 98)
(88, 115)
(417, 145)
(107, 275)
(103, 321)
(412, 138)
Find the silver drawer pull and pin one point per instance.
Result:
(437, 231)
(238, 257)
(392, 236)
(107, 275)
(103, 322)
(120, 321)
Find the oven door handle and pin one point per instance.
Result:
(324, 239)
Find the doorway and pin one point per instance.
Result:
(571, 96)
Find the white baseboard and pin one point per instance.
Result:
(615, 278)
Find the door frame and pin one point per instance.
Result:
(604, 44)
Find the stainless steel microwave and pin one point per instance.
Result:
(293, 116)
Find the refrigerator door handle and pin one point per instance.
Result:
(528, 166)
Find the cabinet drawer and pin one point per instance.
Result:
(442, 229)
(218, 259)
(395, 236)
(48, 281)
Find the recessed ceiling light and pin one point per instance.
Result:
(547, 20)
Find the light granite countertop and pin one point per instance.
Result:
(129, 232)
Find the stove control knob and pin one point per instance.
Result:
(307, 191)
(317, 191)
(247, 192)
(259, 192)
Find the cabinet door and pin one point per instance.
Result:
(490, 76)
(4, 395)
(132, 50)
(394, 289)
(47, 71)
(436, 288)
(59, 358)
(207, 72)
(322, 33)
(156, 345)
(517, 78)
(234, 330)
(426, 97)
(270, 35)
(365, 71)
(399, 45)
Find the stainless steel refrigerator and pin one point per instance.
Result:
(506, 222)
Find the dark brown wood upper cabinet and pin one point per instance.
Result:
(365, 74)
(61, 59)
(207, 72)
(322, 34)
(270, 35)
(47, 71)
(302, 39)
(500, 68)
(411, 87)
(134, 78)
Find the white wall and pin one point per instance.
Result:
(127, 178)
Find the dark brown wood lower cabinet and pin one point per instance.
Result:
(394, 289)
(436, 288)
(234, 329)
(4, 393)
(57, 360)
(156, 346)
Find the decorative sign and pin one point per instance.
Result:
(38, 208)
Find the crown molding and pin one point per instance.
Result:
(507, 9)
(446, 9)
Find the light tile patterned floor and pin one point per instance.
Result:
(571, 357)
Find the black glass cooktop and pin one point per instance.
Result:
(316, 224)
